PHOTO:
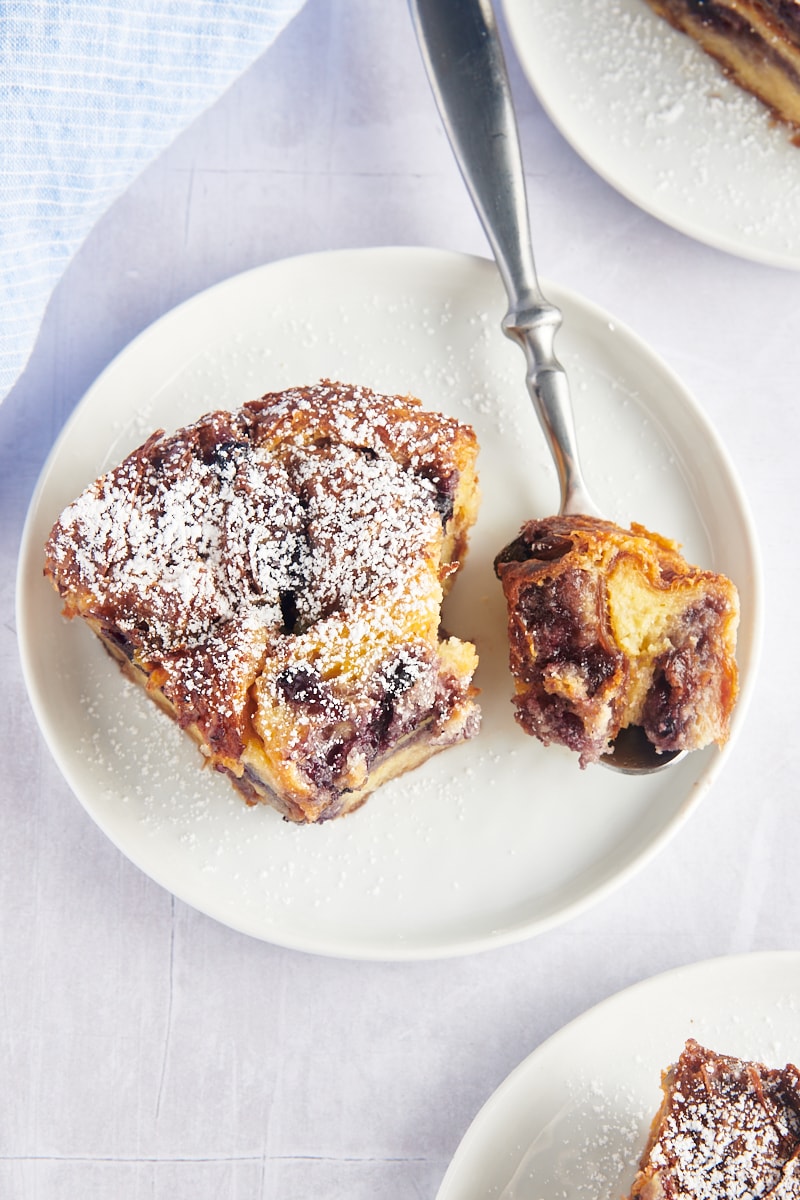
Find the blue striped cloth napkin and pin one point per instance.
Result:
(91, 92)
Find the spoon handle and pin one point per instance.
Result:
(464, 59)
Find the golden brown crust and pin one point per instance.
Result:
(611, 627)
(274, 577)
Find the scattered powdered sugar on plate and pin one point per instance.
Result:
(588, 1149)
(657, 117)
(596, 1097)
(396, 321)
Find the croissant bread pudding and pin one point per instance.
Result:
(273, 577)
(726, 1130)
(756, 41)
(610, 628)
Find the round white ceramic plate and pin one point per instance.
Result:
(572, 1120)
(490, 841)
(657, 118)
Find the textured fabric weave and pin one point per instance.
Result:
(90, 92)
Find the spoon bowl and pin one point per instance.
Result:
(464, 59)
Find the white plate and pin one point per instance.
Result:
(571, 1121)
(657, 118)
(490, 841)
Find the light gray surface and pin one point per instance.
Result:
(146, 1050)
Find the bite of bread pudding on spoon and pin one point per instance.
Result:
(611, 628)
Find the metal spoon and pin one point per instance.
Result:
(464, 59)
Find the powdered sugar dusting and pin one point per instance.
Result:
(208, 527)
(184, 545)
(729, 1128)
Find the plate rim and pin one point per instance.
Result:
(661, 980)
(739, 247)
(397, 950)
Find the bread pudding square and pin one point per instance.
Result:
(727, 1129)
(273, 577)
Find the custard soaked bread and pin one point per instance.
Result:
(611, 627)
(273, 577)
(756, 41)
(726, 1130)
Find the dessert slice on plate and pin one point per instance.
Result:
(726, 1130)
(273, 577)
